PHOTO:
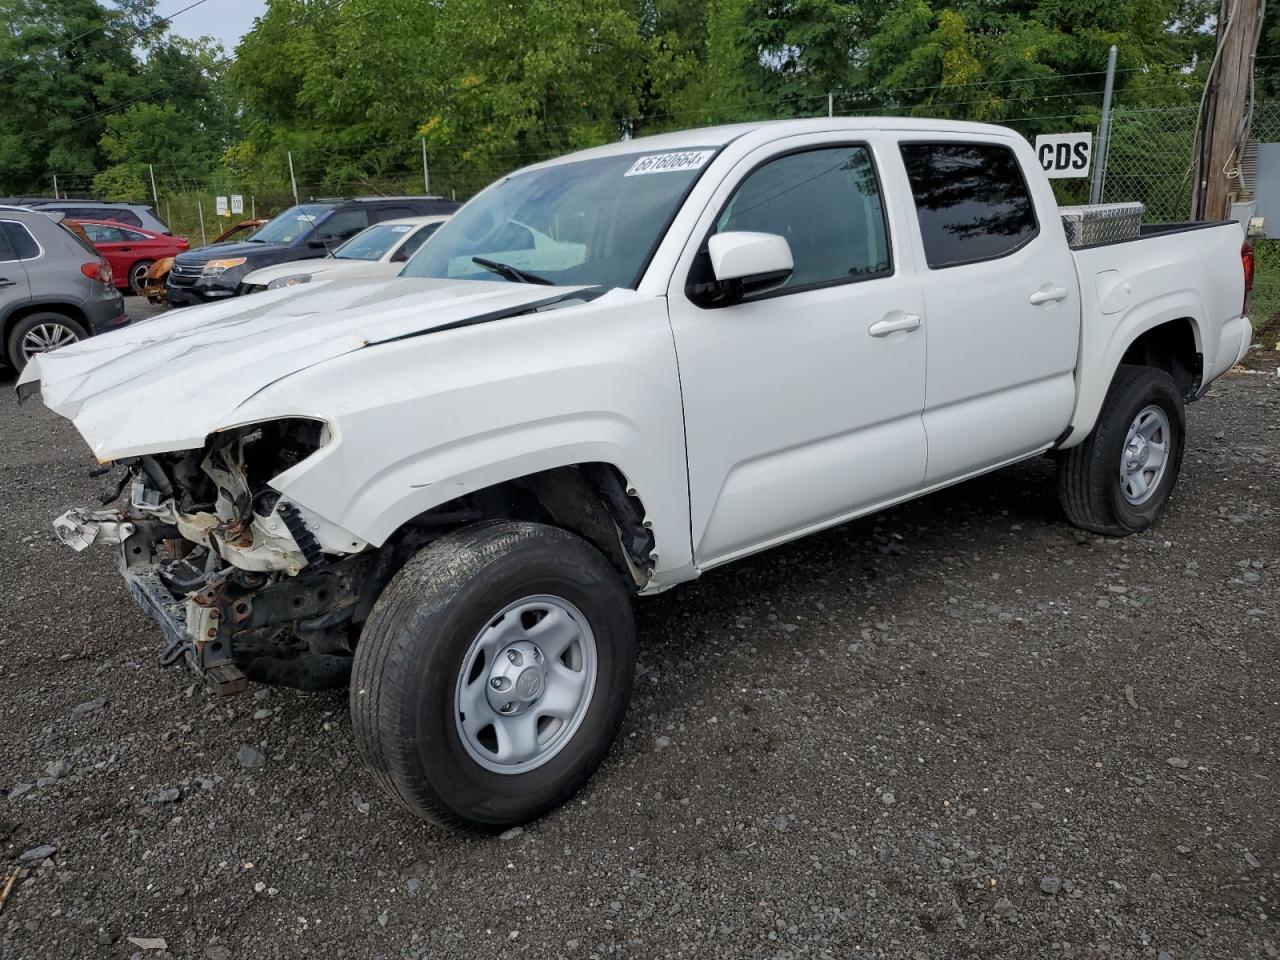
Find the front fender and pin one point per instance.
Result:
(418, 422)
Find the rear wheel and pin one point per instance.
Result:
(1118, 481)
(493, 674)
(138, 276)
(39, 333)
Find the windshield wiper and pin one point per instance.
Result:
(514, 274)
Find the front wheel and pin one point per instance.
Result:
(493, 674)
(1119, 480)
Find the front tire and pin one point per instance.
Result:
(1119, 480)
(493, 674)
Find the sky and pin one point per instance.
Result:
(224, 20)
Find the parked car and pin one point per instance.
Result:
(450, 483)
(153, 284)
(55, 288)
(130, 214)
(378, 251)
(305, 232)
(131, 251)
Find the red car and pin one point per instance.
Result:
(131, 250)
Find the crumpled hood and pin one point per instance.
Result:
(166, 384)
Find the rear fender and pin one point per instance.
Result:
(1106, 340)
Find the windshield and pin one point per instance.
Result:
(373, 243)
(291, 224)
(591, 222)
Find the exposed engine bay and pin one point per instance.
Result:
(229, 568)
(233, 571)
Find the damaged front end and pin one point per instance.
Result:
(230, 569)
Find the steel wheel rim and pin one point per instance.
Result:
(525, 684)
(44, 337)
(1145, 456)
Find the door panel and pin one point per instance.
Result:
(15, 290)
(797, 413)
(1002, 303)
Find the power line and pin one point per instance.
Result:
(137, 32)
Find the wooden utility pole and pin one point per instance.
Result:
(1223, 113)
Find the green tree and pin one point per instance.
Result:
(73, 74)
(63, 65)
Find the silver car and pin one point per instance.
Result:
(55, 288)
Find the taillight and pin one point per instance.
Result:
(1246, 261)
(97, 271)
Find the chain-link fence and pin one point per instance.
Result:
(1150, 159)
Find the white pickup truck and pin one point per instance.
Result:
(605, 375)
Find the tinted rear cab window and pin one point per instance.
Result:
(971, 199)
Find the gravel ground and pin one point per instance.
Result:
(959, 729)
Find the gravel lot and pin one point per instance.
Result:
(960, 729)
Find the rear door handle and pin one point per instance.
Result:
(906, 321)
(6, 282)
(1052, 295)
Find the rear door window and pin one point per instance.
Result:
(122, 216)
(7, 254)
(972, 201)
(394, 213)
(342, 226)
(410, 246)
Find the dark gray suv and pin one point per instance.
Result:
(55, 288)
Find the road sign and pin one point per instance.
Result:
(1065, 154)
(222, 206)
(237, 203)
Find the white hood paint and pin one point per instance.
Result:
(327, 268)
(168, 383)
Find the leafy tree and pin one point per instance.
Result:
(63, 65)
(72, 73)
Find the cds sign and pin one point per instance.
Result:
(1065, 154)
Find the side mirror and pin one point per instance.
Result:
(758, 261)
(318, 244)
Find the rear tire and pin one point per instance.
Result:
(1119, 480)
(40, 332)
(422, 663)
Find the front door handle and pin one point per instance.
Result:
(1052, 295)
(906, 321)
(6, 282)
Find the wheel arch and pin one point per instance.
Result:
(70, 310)
(21, 311)
(593, 500)
(1166, 334)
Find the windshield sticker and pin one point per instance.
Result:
(669, 162)
(402, 228)
(307, 217)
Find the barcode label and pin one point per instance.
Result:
(670, 162)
